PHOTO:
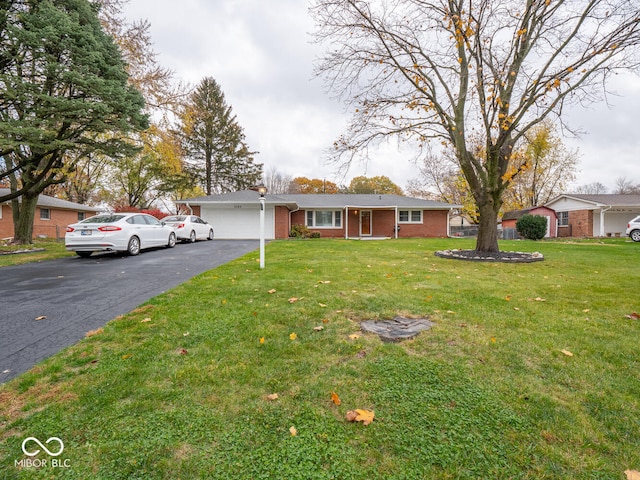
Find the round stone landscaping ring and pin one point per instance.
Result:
(506, 257)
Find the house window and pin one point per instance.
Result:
(409, 216)
(81, 216)
(45, 214)
(324, 218)
(563, 219)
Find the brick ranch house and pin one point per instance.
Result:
(236, 215)
(604, 215)
(51, 218)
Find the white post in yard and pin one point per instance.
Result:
(262, 190)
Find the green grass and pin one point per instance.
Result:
(52, 249)
(177, 388)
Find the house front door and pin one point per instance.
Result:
(365, 223)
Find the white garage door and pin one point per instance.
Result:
(239, 222)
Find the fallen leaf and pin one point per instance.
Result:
(185, 334)
(293, 336)
(272, 397)
(567, 352)
(273, 290)
(359, 415)
(261, 339)
(293, 431)
(183, 351)
(92, 333)
(354, 336)
(325, 320)
(335, 398)
(128, 355)
(632, 474)
(145, 320)
(508, 298)
(493, 339)
(319, 328)
(41, 317)
(6, 371)
(632, 316)
(516, 308)
(538, 299)
(451, 312)
(293, 300)
(323, 305)
(586, 310)
(324, 281)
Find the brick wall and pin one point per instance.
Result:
(54, 227)
(383, 222)
(580, 224)
(434, 225)
(6, 222)
(282, 222)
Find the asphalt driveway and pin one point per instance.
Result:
(77, 295)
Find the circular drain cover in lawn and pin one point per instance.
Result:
(397, 328)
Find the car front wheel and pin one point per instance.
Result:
(172, 240)
(133, 248)
(635, 235)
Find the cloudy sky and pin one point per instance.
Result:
(261, 54)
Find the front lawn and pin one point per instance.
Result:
(532, 371)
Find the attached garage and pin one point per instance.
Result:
(240, 221)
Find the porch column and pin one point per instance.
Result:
(346, 223)
(395, 228)
(602, 212)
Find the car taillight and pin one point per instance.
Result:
(109, 228)
(69, 229)
(180, 225)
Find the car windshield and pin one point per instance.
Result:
(103, 219)
(174, 218)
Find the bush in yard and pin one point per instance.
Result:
(300, 231)
(532, 227)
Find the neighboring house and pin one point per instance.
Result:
(509, 219)
(51, 218)
(236, 215)
(603, 215)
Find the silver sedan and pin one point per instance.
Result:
(118, 232)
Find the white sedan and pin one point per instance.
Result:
(190, 228)
(118, 232)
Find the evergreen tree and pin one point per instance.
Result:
(214, 142)
(63, 90)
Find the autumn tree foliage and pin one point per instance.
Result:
(313, 185)
(214, 143)
(380, 184)
(463, 72)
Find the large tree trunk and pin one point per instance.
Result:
(487, 240)
(23, 222)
